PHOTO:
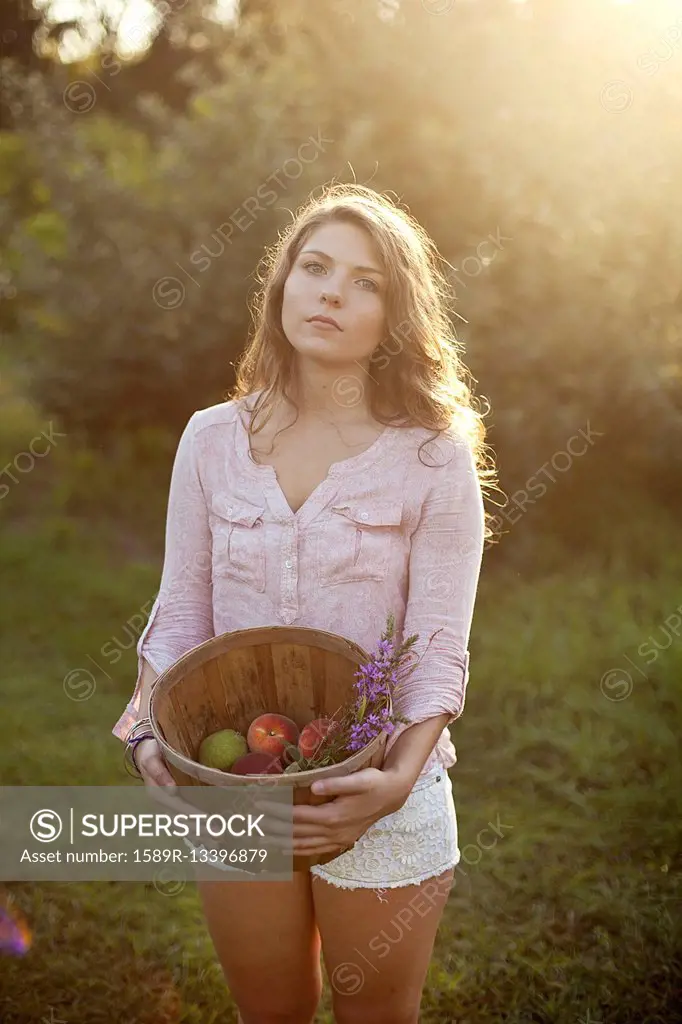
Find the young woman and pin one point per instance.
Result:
(359, 493)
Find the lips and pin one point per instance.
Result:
(324, 320)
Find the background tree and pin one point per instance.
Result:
(521, 142)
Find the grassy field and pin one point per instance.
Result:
(573, 915)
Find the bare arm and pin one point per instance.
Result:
(407, 758)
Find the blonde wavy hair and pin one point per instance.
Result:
(417, 374)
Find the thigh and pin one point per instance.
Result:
(268, 945)
(377, 951)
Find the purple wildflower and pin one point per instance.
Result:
(376, 683)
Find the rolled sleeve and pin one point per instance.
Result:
(444, 569)
(182, 613)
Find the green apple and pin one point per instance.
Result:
(221, 749)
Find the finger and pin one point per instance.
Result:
(280, 845)
(320, 821)
(276, 810)
(356, 782)
(306, 831)
(281, 841)
(169, 798)
(154, 781)
(163, 795)
(285, 830)
(158, 778)
(300, 814)
(277, 828)
(308, 814)
(153, 766)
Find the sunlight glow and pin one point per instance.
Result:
(136, 22)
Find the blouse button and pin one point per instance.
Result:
(288, 563)
(363, 515)
(229, 508)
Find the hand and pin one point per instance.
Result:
(361, 798)
(160, 784)
(152, 765)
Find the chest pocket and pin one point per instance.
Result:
(238, 541)
(358, 541)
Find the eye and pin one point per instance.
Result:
(315, 263)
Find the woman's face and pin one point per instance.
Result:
(336, 274)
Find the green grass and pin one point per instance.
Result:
(574, 914)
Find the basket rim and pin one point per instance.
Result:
(203, 652)
(251, 637)
(283, 780)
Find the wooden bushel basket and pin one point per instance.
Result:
(233, 678)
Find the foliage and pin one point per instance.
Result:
(133, 245)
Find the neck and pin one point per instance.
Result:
(338, 393)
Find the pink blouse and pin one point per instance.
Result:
(383, 532)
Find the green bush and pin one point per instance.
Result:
(552, 194)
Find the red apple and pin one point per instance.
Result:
(257, 764)
(268, 733)
(314, 734)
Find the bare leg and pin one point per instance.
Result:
(377, 952)
(268, 945)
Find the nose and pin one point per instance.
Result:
(330, 295)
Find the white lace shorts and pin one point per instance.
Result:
(406, 847)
